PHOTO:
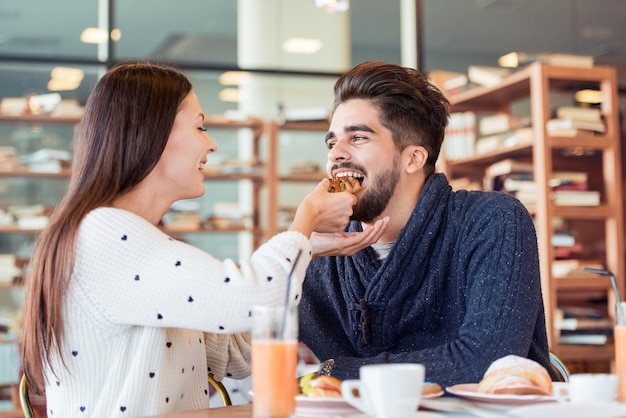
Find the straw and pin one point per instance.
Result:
(613, 280)
(284, 322)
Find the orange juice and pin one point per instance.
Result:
(274, 378)
(620, 360)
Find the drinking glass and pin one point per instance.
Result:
(620, 349)
(274, 361)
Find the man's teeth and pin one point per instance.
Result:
(350, 174)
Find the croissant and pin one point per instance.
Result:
(515, 375)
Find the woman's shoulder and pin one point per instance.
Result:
(107, 220)
(109, 214)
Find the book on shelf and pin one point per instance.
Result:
(500, 122)
(584, 339)
(572, 133)
(591, 114)
(558, 124)
(494, 142)
(568, 180)
(460, 137)
(574, 267)
(464, 183)
(46, 160)
(448, 81)
(576, 197)
(517, 59)
(562, 239)
(584, 325)
(487, 76)
(579, 312)
(306, 167)
(508, 166)
(569, 60)
(513, 183)
(560, 180)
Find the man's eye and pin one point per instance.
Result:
(330, 145)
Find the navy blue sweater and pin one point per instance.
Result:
(459, 289)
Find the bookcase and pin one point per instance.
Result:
(599, 229)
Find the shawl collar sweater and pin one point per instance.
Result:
(459, 289)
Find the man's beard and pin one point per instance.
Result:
(376, 196)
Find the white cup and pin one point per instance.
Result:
(588, 388)
(386, 390)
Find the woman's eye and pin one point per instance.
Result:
(203, 129)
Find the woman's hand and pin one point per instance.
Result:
(347, 243)
(322, 211)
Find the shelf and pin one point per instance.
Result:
(591, 352)
(218, 122)
(47, 119)
(23, 172)
(601, 227)
(256, 177)
(309, 126)
(518, 85)
(302, 178)
(583, 282)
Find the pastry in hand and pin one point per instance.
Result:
(516, 375)
(348, 184)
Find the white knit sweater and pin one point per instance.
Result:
(145, 314)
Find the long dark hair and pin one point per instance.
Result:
(128, 118)
(411, 107)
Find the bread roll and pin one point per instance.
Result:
(515, 375)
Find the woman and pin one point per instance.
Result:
(120, 319)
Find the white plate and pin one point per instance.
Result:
(308, 407)
(570, 410)
(468, 391)
(419, 414)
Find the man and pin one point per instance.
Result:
(453, 279)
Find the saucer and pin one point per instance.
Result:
(570, 410)
(418, 414)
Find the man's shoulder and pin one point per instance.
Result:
(486, 199)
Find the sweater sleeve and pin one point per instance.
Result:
(496, 266)
(132, 274)
(237, 363)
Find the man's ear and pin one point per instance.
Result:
(417, 156)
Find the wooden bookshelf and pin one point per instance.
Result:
(536, 84)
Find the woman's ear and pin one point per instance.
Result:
(417, 156)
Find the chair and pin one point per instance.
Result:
(560, 367)
(27, 408)
(221, 390)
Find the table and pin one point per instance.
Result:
(237, 411)
(245, 411)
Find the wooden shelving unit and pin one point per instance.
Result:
(536, 83)
(273, 130)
